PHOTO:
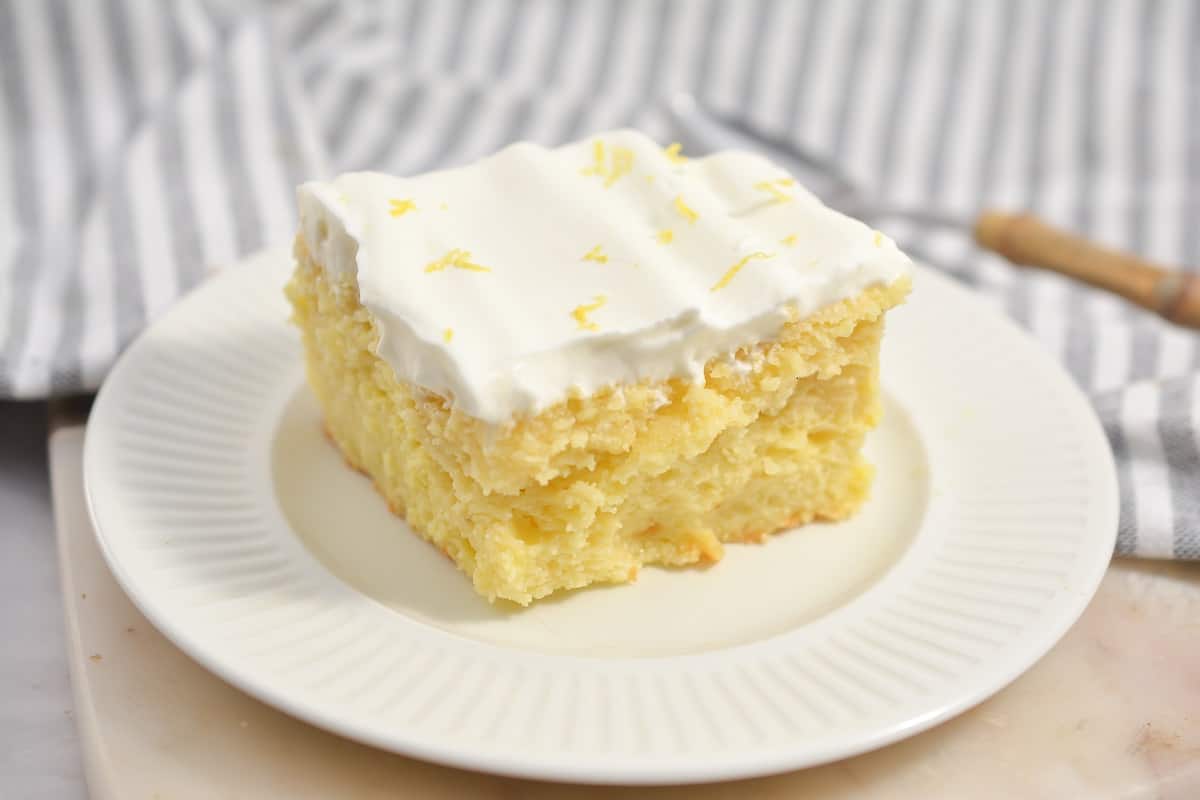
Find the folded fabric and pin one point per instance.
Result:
(142, 143)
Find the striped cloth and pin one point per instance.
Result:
(143, 142)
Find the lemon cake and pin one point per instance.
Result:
(561, 365)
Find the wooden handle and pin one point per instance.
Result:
(1025, 239)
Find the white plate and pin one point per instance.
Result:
(240, 534)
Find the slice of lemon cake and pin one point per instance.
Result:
(560, 365)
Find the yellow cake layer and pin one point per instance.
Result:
(659, 472)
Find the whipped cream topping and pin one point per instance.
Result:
(507, 284)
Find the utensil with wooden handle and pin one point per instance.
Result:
(1024, 239)
(1021, 238)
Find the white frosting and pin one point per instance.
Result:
(520, 336)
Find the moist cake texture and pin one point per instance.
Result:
(560, 365)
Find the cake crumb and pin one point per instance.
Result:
(95, 658)
(659, 399)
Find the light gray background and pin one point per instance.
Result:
(39, 748)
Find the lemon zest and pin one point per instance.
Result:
(398, 207)
(736, 268)
(458, 259)
(609, 166)
(776, 189)
(581, 312)
(597, 166)
(683, 208)
(622, 165)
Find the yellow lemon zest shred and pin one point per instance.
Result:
(581, 312)
(458, 259)
(398, 207)
(775, 189)
(596, 254)
(736, 268)
(447, 334)
(674, 151)
(611, 166)
(683, 208)
(665, 236)
(789, 240)
(597, 165)
(622, 164)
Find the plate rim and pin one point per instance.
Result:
(659, 769)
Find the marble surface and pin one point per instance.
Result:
(1113, 711)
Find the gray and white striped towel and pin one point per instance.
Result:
(141, 142)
